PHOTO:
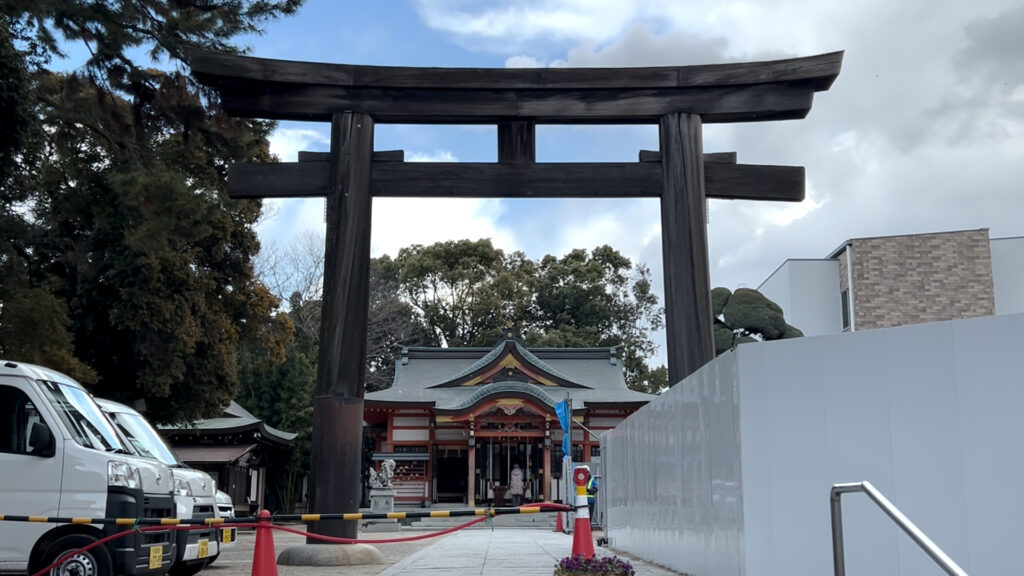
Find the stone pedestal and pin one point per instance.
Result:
(330, 555)
(382, 501)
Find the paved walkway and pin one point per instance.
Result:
(515, 552)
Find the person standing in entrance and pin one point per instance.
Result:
(515, 485)
(592, 488)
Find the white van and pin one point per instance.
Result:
(194, 490)
(60, 457)
(226, 509)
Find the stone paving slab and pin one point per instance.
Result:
(512, 551)
(504, 551)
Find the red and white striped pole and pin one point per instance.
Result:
(582, 540)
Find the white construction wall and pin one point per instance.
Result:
(808, 292)
(729, 472)
(1008, 274)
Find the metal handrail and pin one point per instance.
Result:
(930, 548)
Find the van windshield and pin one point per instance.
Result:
(82, 417)
(146, 441)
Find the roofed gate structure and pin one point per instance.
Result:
(353, 98)
(457, 419)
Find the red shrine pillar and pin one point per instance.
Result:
(471, 472)
(471, 481)
(545, 482)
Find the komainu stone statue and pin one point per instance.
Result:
(382, 480)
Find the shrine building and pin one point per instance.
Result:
(456, 420)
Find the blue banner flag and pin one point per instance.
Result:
(564, 413)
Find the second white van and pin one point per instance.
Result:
(194, 490)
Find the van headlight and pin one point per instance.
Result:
(182, 487)
(123, 474)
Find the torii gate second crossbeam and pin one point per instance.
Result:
(353, 98)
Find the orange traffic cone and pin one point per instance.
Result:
(558, 522)
(582, 540)
(264, 558)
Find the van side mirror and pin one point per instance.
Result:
(40, 440)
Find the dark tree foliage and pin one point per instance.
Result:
(600, 299)
(468, 292)
(142, 265)
(392, 325)
(281, 393)
(453, 287)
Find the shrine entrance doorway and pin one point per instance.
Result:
(495, 458)
(452, 469)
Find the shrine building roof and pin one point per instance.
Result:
(455, 379)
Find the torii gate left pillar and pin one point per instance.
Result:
(341, 367)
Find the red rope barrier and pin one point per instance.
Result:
(106, 539)
(372, 541)
(333, 539)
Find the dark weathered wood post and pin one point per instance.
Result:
(517, 142)
(684, 241)
(336, 450)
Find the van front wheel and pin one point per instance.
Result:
(92, 562)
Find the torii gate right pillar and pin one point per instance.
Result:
(684, 240)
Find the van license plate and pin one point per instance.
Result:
(204, 548)
(156, 557)
(227, 535)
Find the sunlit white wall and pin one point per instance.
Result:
(729, 472)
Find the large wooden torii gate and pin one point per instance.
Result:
(353, 98)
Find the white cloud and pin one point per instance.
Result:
(523, 61)
(435, 156)
(537, 24)
(569, 19)
(401, 222)
(285, 143)
(641, 46)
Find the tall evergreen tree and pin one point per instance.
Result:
(600, 299)
(454, 285)
(122, 194)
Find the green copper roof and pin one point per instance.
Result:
(508, 346)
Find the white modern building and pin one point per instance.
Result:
(900, 280)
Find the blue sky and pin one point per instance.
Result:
(922, 132)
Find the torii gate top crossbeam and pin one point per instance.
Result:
(738, 92)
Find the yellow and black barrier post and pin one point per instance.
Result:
(118, 521)
(491, 512)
